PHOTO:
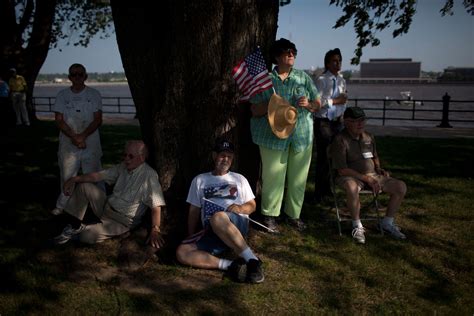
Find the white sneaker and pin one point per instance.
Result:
(67, 234)
(358, 235)
(393, 230)
(57, 211)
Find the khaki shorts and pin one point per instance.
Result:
(361, 184)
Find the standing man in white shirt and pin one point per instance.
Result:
(328, 121)
(78, 115)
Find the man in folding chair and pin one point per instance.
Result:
(354, 156)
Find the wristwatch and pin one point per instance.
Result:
(156, 228)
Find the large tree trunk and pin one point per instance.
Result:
(178, 61)
(13, 53)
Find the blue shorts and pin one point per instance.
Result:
(211, 243)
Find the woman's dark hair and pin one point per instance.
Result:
(280, 46)
(328, 56)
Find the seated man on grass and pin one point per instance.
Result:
(354, 156)
(136, 188)
(221, 201)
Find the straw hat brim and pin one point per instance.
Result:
(274, 104)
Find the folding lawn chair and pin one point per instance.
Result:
(365, 208)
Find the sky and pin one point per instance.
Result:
(437, 42)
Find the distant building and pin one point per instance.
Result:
(458, 74)
(390, 68)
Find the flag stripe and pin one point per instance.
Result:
(251, 75)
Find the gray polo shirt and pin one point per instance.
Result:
(357, 154)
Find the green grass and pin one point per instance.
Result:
(316, 272)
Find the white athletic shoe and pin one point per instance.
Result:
(67, 234)
(394, 230)
(358, 235)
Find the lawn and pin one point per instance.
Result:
(315, 272)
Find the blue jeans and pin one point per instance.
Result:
(212, 244)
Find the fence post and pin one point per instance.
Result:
(383, 113)
(445, 118)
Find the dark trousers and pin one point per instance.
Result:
(324, 132)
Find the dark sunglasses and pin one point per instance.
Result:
(289, 51)
(77, 74)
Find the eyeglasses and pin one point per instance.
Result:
(129, 156)
(77, 74)
(289, 51)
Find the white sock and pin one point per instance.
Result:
(387, 221)
(224, 264)
(357, 223)
(247, 254)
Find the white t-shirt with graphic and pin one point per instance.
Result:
(221, 191)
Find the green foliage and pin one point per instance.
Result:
(77, 21)
(312, 273)
(374, 16)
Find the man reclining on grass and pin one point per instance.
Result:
(136, 188)
(222, 199)
(354, 155)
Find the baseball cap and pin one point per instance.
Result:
(223, 145)
(354, 112)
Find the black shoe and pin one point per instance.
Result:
(254, 271)
(237, 270)
(296, 223)
(270, 222)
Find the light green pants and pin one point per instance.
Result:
(276, 166)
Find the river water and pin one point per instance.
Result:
(390, 91)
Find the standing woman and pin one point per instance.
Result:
(328, 121)
(285, 159)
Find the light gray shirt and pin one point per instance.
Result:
(330, 87)
(133, 192)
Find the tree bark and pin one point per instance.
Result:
(27, 60)
(178, 61)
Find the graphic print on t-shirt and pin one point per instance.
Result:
(217, 197)
(221, 191)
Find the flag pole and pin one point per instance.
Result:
(242, 215)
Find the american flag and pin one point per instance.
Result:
(251, 75)
(210, 208)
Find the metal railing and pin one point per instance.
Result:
(110, 105)
(397, 111)
(444, 110)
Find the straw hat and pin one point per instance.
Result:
(282, 116)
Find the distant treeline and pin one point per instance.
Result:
(92, 76)
(465, 75)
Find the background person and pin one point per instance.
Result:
(216, 198)
(136, 188)
(354, 156)
(285, 160)
(328, 121)
(6, 112)
(18, 89)
(78, 115)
